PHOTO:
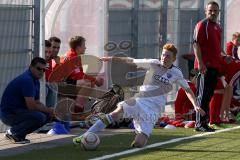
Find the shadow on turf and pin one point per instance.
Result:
(38, 144)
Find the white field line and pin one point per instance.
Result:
(163, 143)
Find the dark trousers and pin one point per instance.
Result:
(206, 84)
(24, 122)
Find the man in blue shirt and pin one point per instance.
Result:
(20, 106)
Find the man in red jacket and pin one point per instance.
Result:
(207, 50)
(77, 48)
(73, 61)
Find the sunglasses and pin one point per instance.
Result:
(40, 69)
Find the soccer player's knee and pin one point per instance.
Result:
(117, 113)
(140, 143)
(114, 115)
(140, 140)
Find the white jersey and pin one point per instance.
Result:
(145, 107)
(158, 79)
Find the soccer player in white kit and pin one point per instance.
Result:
(145, 106)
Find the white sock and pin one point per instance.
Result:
(99, 125)
(9, 132)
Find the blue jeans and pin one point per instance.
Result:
(23, 122)
(51, 95)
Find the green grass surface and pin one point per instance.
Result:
(221, 146)
(218, 146)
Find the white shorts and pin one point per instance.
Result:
(144, 113)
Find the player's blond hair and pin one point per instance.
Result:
(235, 35)
(170, 47)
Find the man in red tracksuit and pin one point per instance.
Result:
(75, 68)
(207, 50)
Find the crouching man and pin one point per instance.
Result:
(20, 106)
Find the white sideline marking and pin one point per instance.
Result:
(162, 143)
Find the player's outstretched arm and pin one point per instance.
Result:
(125, 59)
(192, 98)
(105, 59)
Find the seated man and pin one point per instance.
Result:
(232, 46)
(75, 74)
(232, 50)
(231, 71)
(20, 107)
(145, 106)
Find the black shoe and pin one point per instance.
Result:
(210, 129)
(16, 140)
(26, 140)
(205, 128)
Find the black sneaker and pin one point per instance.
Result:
(16, 140)
(26, 140)
(210, 129)
(204, 129)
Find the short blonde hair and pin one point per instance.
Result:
(170, 47)
(235, 35)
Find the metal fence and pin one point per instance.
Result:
(16, 39)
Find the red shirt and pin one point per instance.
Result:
(208, 35)
(232, 50)
(50, 66)
(231, 71)
(75, 68)
(219, 84)
(182, 103)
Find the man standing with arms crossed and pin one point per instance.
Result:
(207, 49)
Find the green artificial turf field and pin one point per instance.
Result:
(217, 146)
